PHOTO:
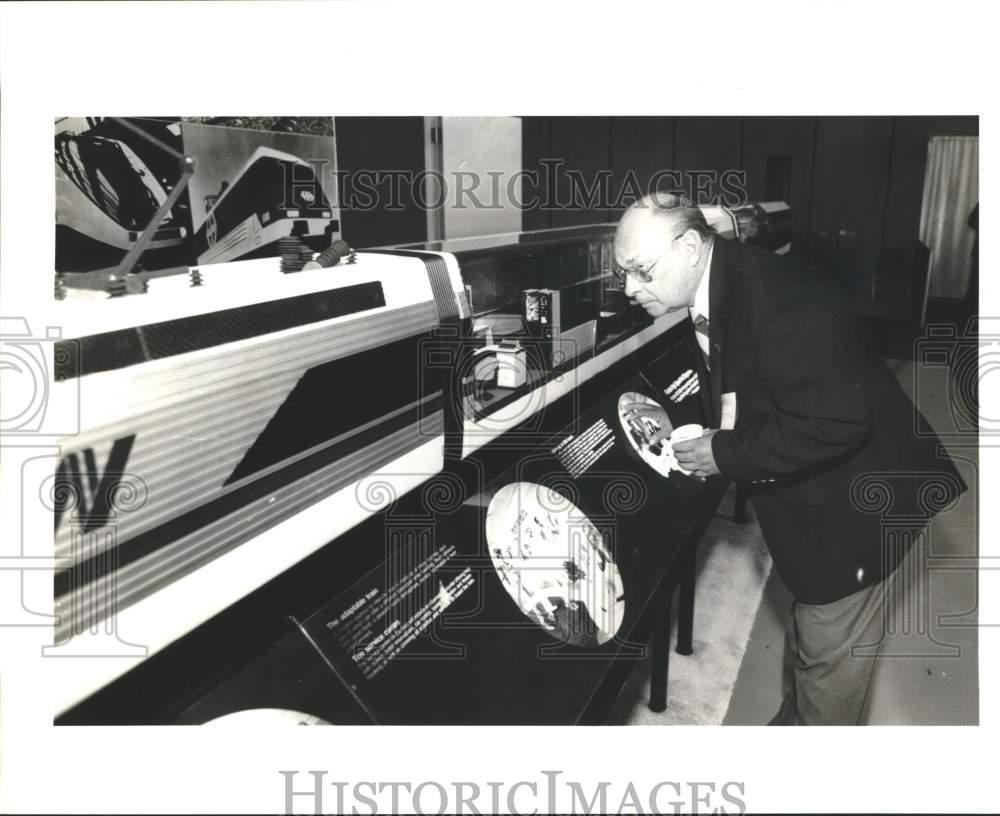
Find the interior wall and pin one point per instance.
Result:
(642, 146)
(584, 144)
(773, 141)
(709, 145)
(850, 192)
(473, 147)
(536, 147)
(854, 183)
(369, 150)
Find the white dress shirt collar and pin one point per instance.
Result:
(701, 303)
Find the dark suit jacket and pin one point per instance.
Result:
(829, 445)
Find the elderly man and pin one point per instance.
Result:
(818, 417)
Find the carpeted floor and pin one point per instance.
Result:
(733, 566)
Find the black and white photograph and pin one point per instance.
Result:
(598, 450)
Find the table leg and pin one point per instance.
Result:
(685, 605)
(660, 651)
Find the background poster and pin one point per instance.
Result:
(222, 152)
(111, 177)
(112, 174)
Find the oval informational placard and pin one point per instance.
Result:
(552, 561)
(265, 717)
(639, 430)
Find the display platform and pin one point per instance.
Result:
(522, 587)
(516, 606)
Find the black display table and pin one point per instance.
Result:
(529, 597)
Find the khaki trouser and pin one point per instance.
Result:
(824, 683)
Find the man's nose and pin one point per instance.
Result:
(631, 286)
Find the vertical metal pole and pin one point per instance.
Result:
(660, 651)
(685, 607)
(434, 163)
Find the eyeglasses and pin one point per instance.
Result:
(643, 274)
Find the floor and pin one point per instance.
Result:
(927, 672)
(731, 572)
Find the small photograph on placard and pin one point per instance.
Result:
(640, 431)
(553, 562)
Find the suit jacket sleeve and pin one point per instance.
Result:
(808, 352)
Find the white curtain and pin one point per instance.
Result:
(951, 190)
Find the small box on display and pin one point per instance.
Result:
(512, 370)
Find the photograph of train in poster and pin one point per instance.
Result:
(252, 187)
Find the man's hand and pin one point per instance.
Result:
(650, 410)
(696, 456)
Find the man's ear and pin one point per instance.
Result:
(691, 243)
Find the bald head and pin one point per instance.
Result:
(655, 218)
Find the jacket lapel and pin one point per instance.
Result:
(716, 320)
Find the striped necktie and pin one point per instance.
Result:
(701, 335)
